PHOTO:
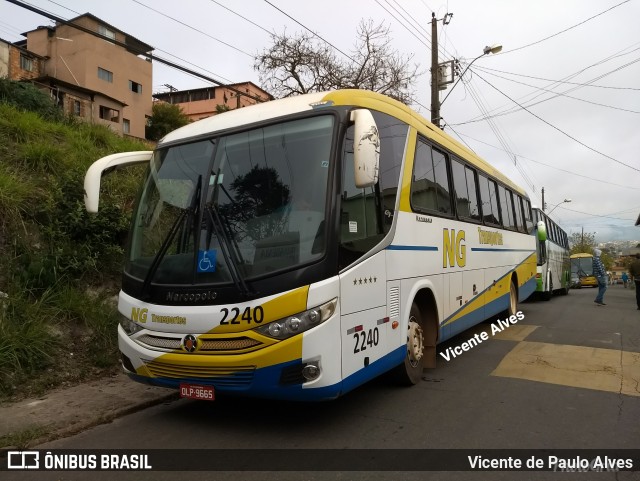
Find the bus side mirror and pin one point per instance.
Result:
(103, 166)
(542, 231)
(366, 148)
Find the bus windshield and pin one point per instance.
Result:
(235, 206)
(583, 266)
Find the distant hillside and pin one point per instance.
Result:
(59, 266)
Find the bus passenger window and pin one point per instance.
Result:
(430, 186)
(517, 203)
(466, 196)
(488, 194)
(506, 208)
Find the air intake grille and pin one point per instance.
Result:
(227, 376)
(394, 302)
(205, 345)
(161, 342)
(228, 344)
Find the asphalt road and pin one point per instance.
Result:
(566, 376)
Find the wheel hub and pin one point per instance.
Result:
(415, 342)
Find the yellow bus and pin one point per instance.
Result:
(298, 248)
(582, 268)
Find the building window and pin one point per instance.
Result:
(126, 126)
(105, 75)
(76, 107)
(105, 32)
(26, 63)
(110, 114)
(135, 87)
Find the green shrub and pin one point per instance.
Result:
(26, 96)
(27, 342)
(42, 156)
(54, 256)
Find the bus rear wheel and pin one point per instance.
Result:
(410, 371)
(547, 295)
(513, 299)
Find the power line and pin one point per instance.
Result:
(575, 74)
(423, 42)
(593, 215)
(557, 128)
(552, 166)
(163, 51)
(498, 134)
(244, 18)
(131, 48)
(561, 94)
(309, 30)
(566, 29)
(487, 69)
(193, 28)
(412, 20)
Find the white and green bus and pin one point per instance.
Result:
(298, 248)
(554, 263)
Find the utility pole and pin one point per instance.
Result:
(435, 91)
(543, 206)
(438, 80)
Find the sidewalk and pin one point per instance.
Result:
(65, 412)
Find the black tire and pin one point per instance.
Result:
(548, 294)
(409, 372)
(513, 299)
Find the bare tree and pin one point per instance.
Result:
(303, 63)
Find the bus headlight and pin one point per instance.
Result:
(129, 326)
(303, 321)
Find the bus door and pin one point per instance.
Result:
(364, 319)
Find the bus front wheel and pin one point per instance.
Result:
(410, 371)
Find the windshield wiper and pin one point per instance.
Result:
(227, 247)
(191, 210)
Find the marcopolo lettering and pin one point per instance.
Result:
(191, 296)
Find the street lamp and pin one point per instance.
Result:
(563, 202)
(485, 51)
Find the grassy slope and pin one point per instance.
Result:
(59, 266)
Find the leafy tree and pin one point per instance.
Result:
(164, 119)
(607, 260)
(221, 108)
(580, 242)
(302, 63)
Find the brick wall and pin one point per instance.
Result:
(16, 72)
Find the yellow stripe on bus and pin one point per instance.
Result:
(525, 272)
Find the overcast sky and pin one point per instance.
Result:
(573, 140)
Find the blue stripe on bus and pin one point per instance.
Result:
(266, 381)
(412, 248)
(486, 311)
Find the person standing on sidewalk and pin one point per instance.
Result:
(601, 275)
(634, 270)
(625, 279)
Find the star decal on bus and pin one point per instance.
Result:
(365, 280)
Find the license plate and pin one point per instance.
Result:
(194, 391)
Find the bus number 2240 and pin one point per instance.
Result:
(366, 339)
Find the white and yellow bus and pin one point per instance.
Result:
(554, 266)
(298, 248)
(582, 268)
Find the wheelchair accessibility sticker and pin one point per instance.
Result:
(207, 261)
